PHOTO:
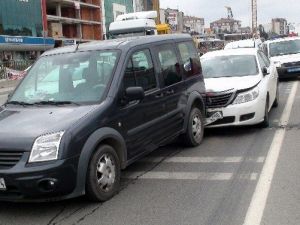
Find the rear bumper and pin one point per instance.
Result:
(34, 182)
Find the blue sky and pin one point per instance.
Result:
(214, 9)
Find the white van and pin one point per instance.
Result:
(133, 24)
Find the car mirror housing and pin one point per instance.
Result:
(265, 71)
(134, 93)
(188, 65)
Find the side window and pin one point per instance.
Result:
(140, 71)
(265, 58)
(261, 61)
(265, 49)
(190, 59)
(170, 67)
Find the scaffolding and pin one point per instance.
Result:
(254, 17)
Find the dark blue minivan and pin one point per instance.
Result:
(83, 113)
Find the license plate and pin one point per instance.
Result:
(292, 70)
(214, 117)
(2, 184)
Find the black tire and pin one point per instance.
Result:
(276, 101)
(194, 137)
(266, 121)
(105, 159)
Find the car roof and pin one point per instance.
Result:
(122, 43)
(247, 43)
(282, 39)
(237, 51)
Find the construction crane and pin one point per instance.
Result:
(229, 12)
(254, 17)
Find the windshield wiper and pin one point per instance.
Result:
(19, 103)
(55, 103)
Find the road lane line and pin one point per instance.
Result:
(157, 175)
(260, 159)
(200, 160)
(259, 199)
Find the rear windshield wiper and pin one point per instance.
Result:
(19, 103)
(56, 103)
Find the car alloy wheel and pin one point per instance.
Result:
(197, 127)
(106, 172)
(103, 176)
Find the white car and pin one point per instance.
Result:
(241, 86)
(285, 54)
(248, 43)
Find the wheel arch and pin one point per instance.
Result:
(101, 136)
(195, 100)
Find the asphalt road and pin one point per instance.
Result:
(216, 183)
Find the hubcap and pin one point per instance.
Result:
(106, 172)
(197, 127)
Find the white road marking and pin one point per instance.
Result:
(259, 199)
(260, 159)
(200, 160)
(188, 176)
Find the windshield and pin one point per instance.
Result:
(284, 48)
(229, 66)
(131, 33)
(126, 35)
(73, 77)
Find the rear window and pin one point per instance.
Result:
(229, 66)
(190, 59)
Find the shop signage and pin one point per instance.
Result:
(14, 39)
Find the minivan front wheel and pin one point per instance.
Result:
(195, 130)
(103, 178)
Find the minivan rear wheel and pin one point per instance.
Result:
(103, 177)
(195, 130)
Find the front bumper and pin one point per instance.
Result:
(39, 181)
(249, 113)
(288, 72)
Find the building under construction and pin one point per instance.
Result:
(71, 21)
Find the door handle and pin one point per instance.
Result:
(170, 92)
(160, 95)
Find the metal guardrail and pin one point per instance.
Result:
(15, 65)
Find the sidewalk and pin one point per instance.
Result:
(7, 86)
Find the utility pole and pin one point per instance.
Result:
(254, 17)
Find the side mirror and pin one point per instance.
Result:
(265, 71)
(134, 93)
(188, 65)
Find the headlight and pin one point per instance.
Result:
(277, 64)
(246, 96)
(45, 148)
